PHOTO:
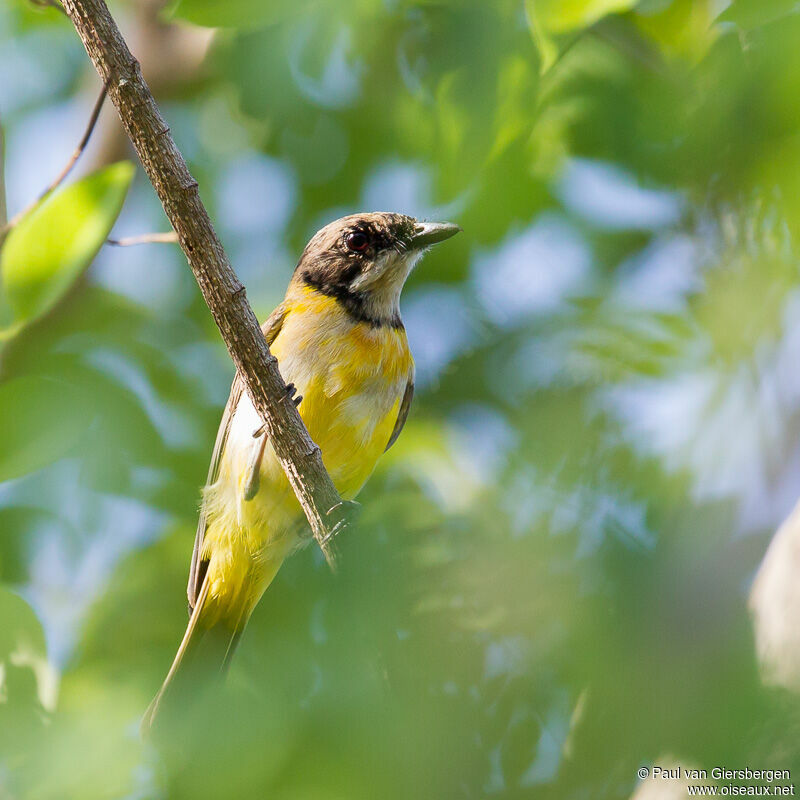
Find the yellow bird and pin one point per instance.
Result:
(341, 346)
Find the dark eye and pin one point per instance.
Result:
(357, 241)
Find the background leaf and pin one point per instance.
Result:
(562, 16)
(56, 241)
(549, 18)
(28, 681)
(244, 14)
(40, 420)
(750, 14)
(22, 640)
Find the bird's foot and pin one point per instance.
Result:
(291, 391)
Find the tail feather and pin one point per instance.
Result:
(215, 627)
(204, 654)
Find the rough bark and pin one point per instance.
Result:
(224, 294)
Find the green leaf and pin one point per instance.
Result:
(23, 649)
(50, 247)
(41, 419)
(563, 16)
(548, 49)
(751, 14)
(515, 90)
(683, 28)
(20, 626)
(549, 18)
(242, 14)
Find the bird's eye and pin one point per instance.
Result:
(357, 241)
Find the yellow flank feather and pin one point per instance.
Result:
(351, 376)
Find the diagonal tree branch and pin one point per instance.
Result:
(224, 294)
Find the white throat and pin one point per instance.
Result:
(383, 283)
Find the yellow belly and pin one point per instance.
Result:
(352, 378)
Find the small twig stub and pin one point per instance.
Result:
(145, 238)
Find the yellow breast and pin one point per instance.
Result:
(352, 377)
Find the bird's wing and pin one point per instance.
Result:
(197, 570)
(402, 414)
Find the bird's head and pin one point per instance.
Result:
(363, 261)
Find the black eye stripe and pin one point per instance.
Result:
(350, 273)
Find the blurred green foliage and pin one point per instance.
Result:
(547, 587)
(47, 249)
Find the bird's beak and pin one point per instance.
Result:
(428, 233)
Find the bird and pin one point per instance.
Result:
(343, 352)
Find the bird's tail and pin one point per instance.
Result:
(215, 627)
(203, 657)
